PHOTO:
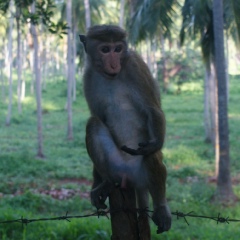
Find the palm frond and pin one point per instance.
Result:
(197, 24)
(150, 15)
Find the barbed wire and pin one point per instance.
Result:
(99, 213)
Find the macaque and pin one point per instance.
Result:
(126, 130)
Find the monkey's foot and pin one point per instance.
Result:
(162, 218)
(100, 194)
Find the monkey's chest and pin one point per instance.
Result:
(124, 121)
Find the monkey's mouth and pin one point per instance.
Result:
(111, 75)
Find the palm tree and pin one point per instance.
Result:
(9, 63)
(37, 73)
(19, 58)
(121, 19)
(151, 18)
(87, 13)
(199, 21)
(224, 186)
(69, 75)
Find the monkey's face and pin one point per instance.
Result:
(111, 55)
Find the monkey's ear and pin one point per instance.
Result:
(83, 39)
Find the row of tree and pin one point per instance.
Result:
(205, 20)
(151, 22)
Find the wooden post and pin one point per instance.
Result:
(125, 224)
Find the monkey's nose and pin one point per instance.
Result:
(113, 65)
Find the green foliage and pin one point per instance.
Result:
(150, 17)
(232, 19)
(197, 23)
(44, 14)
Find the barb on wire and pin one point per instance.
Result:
(66, 217)
(218, 219)
(182, 215)
(104, 213)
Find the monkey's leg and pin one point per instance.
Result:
(106, 156)
(100, 190)
(157, 187)
(109, 166)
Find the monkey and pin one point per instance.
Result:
(126, 130)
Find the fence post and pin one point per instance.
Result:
(125, 223)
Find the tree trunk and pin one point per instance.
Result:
(2, 84)
(213, 107)
(23, 85)
(121, 19)
(73, 62)
(87, 14)
(224, 187)
(69, 77)
(31, 57)
(124, 223)
(227, 66)
(164, 67)
(19, 60)
(207, 119)
(9, 65)
(211, 110)
(149, 60)
(38, 87)
(44, 60)
(214, 114)
(2, 77)
(154, 58)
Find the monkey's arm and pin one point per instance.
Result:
(147, 102)
(156, 130)
(145, 148)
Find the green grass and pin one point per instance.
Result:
(189, 160)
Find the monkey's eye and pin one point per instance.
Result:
(105, 49)
(118, 49)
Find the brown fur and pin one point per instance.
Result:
(126, 130)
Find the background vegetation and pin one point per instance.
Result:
(33, 187)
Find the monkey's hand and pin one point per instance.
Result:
(145, 148)
(162, 218)
(100, 194)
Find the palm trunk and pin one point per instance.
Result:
(73, 62)
(227, 66)
(44, 62)
(149, 60)
(215, 120)
(9, 65)
(154, 58)
(164, 67)
(38, 87)
(2, 83)
(31, 59)
(224, 187)
(23, 85)
(19, 60)
(69, 77)
(213, 104)
(121, 19)
(87, 13)
(207, 119)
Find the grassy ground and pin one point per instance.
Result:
(35, 188)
